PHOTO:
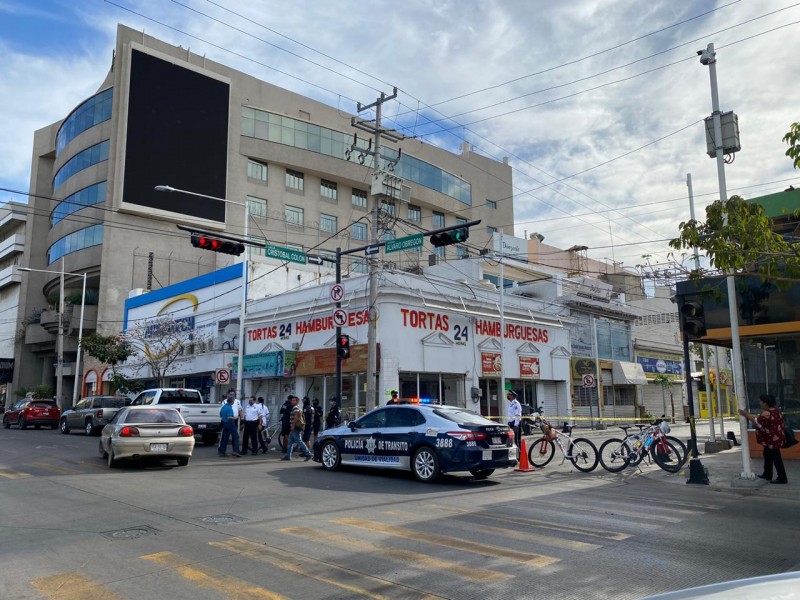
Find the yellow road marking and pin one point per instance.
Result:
(600, 533)
(264, 554)
(9, 474)
(403, 556)
(55, 469)
(531, 559)
(72, 586)
(203, 576)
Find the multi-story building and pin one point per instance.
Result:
(165, 116)
(12, 245)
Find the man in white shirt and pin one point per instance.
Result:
(514, 413)
(252, 419)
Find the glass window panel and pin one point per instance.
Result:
(328, 189)
(249, 127)
(261, 130)
(275, 133)
(438, 220)
(327, 223)
(262, 116)
(274, 119)
(414, 213)
(248, 112)
(257, 207)
(360, 231)
(301, 140)
(294, 215)
(287, 136)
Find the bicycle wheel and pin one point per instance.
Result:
(614, 455)
(583, 454)
(636, 453)
(541, 452)
(669, 454)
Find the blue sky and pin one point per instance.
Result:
(597, 103)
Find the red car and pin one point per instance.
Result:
(32, 411)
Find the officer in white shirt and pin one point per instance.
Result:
(514, 413)
(252, 419)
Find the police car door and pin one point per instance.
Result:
(360, 444)
(403, 426)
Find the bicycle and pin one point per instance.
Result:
(652, 441)
(581, 452)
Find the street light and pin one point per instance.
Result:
(242, 309)
(60, 370)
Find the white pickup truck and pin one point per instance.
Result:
(201, 416)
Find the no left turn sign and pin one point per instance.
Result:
(340, 317)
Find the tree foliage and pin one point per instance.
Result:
(111, 350)
(793, 139)
(744, 244)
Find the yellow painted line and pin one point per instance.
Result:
(530, 559)
(548, 540)
(404, 556)
(260, 552)
(599, 533)
(72, 586)
(232, 588)
(55, 469)
(9, 474)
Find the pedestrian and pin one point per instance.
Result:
(237, 406)
(308, 417)
(317, 424)
(770, 434)
(263, 432)
(296, 427)
(332, 420)
(252, 419)
(285, 415)
(514, 413)
(394, 399)
(229, 428)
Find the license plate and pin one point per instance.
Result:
(496, 441)
(45, 412)
(158, 447)
(201, 426)
(512, 454)
(487, 455)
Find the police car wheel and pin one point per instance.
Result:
(330, 456)
(425, 464)
(481, 473)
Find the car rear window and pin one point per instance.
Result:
(180, 397)
(43, 404)
(153, 415)
(467, 417)
(111, 403)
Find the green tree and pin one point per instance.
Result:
(111, 350)
(793, 139)
(666, 382)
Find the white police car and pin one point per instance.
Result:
(425, 439)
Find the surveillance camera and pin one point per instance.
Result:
(707, 56)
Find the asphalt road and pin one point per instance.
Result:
(257, 527)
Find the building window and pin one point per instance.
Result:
(77, 240)
(88, 196)
(92, 112)
(294, 216)
(389, 208)
(414, 213)
(327, 223)
(441, 251)
(490, 230)
(438, 220)
(360, 232)
(331, 256)
(259, 250)
(359, 198)
(491, 204)
(461, 252)
(359, 265)
(388, 235)
(256, 170)
(82, 160)
(294, 180)
(257, 206)
(327, 189)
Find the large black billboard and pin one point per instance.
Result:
(177, 135)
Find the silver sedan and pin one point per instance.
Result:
(147, 431)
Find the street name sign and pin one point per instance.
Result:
(404, 243)
(288, 254)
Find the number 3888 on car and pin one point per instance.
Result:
(426, 439)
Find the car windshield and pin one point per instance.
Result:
(467, 417)
(154, 415)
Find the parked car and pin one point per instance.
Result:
(32, 411)
(147, 432)
(425, 439)
(201, 416)
(91, 414)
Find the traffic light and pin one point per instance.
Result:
(693, 319)
(343, 346)
(454, 236)
(206, 242)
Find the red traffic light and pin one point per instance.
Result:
(217, 245)
(343, 346)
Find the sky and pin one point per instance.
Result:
(598, 104)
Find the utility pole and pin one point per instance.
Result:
(378, 133)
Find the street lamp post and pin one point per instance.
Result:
(243, 306)
(60, 368)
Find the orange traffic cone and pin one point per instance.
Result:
(523, 465)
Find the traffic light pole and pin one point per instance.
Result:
(697, 473)
(338, 332)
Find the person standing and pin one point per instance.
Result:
(514, 413)
(308, 417)
(332, 420)
(285, 414)
(229, 428)
(252, 419)
(394, 399)
(296, 427)
(317, 424)
(770, 434)
(263, 432)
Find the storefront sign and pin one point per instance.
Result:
(323, 362)
(286, 330)
(529, 367)
(491, 363)
(513, 331)
(267, 364)
(583, 366)
(665, 364)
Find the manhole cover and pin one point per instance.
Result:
(130, 533)
(225, 519)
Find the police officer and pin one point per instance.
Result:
(333, 418)
(252, 419)
(514, 413)
(308, 416)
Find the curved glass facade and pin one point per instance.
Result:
(77, 240)
(88, 196)
(85, 158)
(95, 110)
(301, 134)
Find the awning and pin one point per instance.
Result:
(628, 373)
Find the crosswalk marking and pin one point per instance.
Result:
(207, 577)
(72, 586)
(403, 556)
(599, 533)
(530, 559)
(9, 474)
